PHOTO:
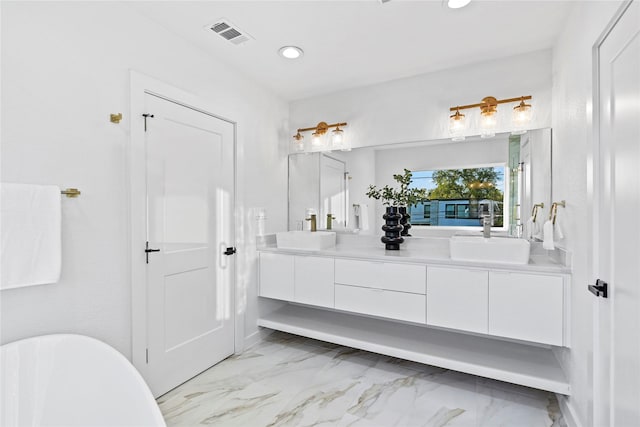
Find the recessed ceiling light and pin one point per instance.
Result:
(290, 52)
(457, 4)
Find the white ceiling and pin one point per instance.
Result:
(356, 43)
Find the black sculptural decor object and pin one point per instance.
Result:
(396, 218)
(392, 229)
(404, 221)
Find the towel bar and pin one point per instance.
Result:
(71, 192)
(534, 211)
(553, 212)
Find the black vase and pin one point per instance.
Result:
(392, 229)
(404, 221)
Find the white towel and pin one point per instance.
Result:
(363, 223)
(529, 229)
(547, 236)
(533, 229)
(557, 230)
(31, 235)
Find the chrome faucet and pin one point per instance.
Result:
(312, 218)
(486, 225)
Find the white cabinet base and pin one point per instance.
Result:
(522, 364)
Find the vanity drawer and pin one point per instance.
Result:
(382, 275)
(380, 302)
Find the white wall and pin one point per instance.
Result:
(65, 68)
(572, 127)
(417, 108)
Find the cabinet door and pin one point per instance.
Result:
(276, 276)
(458, 298)
(314, 280)
(526, 306)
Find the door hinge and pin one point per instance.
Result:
(147, 115)
(600, 289)
(147, 251)
(230, 251)
(147, 355)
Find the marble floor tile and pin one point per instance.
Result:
(287, 380)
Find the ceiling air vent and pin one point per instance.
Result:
(230, 32)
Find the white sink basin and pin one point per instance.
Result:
(307, 240)
(494, 249)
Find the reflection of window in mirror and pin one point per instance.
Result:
(460, 197)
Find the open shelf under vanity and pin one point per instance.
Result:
(527, 365)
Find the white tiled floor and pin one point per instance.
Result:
(293, 381)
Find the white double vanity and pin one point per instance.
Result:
(496, 320)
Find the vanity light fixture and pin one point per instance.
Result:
(298, 143)
(337, 138)
(489, 116)
(317, 140)
(291, 52)
(522, 114)
(457, 125)
(488, 119)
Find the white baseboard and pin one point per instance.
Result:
(256, 337)
(568, 411)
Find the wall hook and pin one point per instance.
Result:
(71, 192)
(115, 118)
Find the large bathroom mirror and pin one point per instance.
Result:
(506, 175)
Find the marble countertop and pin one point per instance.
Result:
(432, 251)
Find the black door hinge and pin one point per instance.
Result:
(147, 251)
(230, 251)
(147, 115)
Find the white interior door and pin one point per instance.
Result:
(332, 191)
(189, 172)
(617, 226)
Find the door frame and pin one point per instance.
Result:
(344, 179)
(140, 85)
(601, 382)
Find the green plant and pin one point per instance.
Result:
(405, 196)
(388, 195)
(409, 196)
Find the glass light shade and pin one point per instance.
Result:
(298, 142)
(457, 125)
(521, 118)
(337, 138)
(316, 140)
(488, 123)
(522, 114)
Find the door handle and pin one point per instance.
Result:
(147, 251)
(600, 289)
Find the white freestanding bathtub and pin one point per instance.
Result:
(72, 380)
